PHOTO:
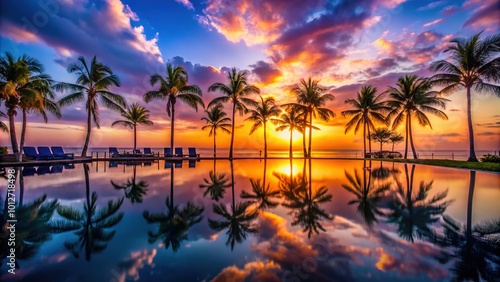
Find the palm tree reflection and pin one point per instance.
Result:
(134, 191)
(91, 224)
(414, 213)
(305, 205)
(215, 185)
(238, 221)
(262, 194)
(368, 197)
(175, 223)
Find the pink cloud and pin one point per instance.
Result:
(433, 22)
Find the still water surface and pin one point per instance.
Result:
(251, 220)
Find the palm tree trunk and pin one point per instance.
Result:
(21, 186)
(135, 137)
(406, 138)
(364, 139)
(380, 146)
(472, 184)
(23, 132)
(171, 186)
(232, 184)
(172, 120)
(291, 140)
(369, 142)
(393, 146)
(304, 143)
(411, 138)
(265, 141)
(310, 133)
(215, 150)
(264, 174)
(13, 137)
(472, 153)
(89, 128)
(232, 132)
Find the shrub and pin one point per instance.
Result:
(3, 150)
(490, 158)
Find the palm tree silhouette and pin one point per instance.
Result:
(368, 108)
(238, 221)
(303, 203)
(91, 224)
(312, 96)
(396, 138)
(234, 92)
(3, 126)
(175, 222)
(292, 119)
(475, 249)
(215, 185)
(94, 82)
(412, 212)
(474, 63)
(368, 197)
(134, 191)
(262, 194)
(412, 97)
(381, 135)
(216, 119)
(21, 77)
(133, 116)
(172, 87)
(261, 114)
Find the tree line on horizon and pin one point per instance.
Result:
(474, 64)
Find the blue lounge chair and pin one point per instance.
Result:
(167, 152)
(113, 164)
(137, 153)
(29, 171)
(192, 163)
(45, 169)
(113, 153)
(178, 164)
(168, 164)
(192, 153)
(46, 154)
(31, 152)
(148, 152)
(59, 152)
(178, 152)
(56, 169)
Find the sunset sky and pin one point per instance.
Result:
(343, 43)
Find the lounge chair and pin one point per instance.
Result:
(167, 152)
(178, 152)
(168, 164)
(113, 153)
(113, 164)
(56, 169)
(192, 153)
(31, 152)
(59, 152)
(44, 169)
(46, 154)
(148, 152)
(192, 163)
(137, 153)
(178, 164)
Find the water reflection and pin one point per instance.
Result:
(261, 194)
(91, 224)
(412, 211)
(239, 220)
(175, 223)
(368, 196)
(215, 185)
(134, 191)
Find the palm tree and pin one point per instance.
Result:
(215, 185)
(368, 108)
(133, 116)
(39, 102)
(238, 221)
(261, 114)
(412, 97)
(475, 63)
(92, 84)
(134, 191)
(368, 197)
(16, 76)
(311, 95)
(172, 87)
(3, 126)
(396, 138)
(412, 212)
(261, 193)
(91, 223)
(234, 91)
(381, 135)
(292, 119)
(216, 119)
(175, 223)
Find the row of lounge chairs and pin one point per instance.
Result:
(167, 153)
(42, 170)
(45, 153)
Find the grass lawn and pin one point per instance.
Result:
(450, 163)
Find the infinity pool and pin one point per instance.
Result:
(251, 220)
